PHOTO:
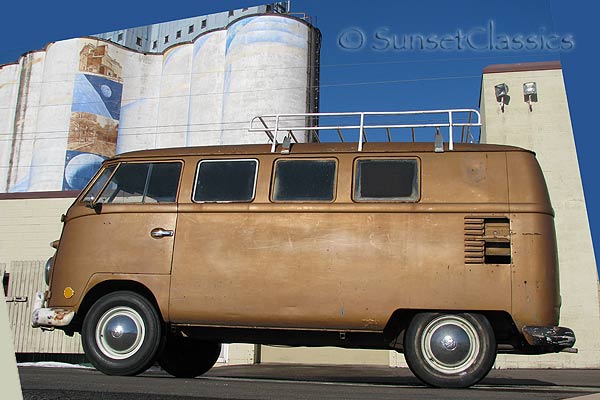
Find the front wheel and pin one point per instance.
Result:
(187, 357)
(121, 333)
(450, 350)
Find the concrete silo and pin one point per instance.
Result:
(79, 101)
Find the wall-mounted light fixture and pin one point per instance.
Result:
(530, 93)
(502, 96)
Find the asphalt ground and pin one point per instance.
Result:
(291, 381)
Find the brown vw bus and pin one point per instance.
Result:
(448, 256)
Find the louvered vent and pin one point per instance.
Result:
(487, 241)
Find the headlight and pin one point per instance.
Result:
(47, 271)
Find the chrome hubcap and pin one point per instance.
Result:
(120, 332)
(450, 344)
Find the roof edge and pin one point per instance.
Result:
(314, 148)
(519, 67)
(167, 49)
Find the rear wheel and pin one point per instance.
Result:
(121, 333)
(450, 350)
(187, 358)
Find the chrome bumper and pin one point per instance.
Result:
(550, 338)
(43, 317)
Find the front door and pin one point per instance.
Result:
(130, 229)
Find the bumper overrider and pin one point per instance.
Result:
(550, 339)
(43, 317)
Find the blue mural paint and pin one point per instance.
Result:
(234, 29)
(97, 95)
(265, 30)
(172, 52)
(198, 45)
(94, 97)
(20, 186)
(80, 167)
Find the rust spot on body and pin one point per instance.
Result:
(370, 323)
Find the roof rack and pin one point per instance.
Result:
(314, 126)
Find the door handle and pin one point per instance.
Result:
(158, 233)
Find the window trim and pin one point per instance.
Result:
(92, 182)
(391, 199)
(118, 165)
(257, 163)
(335, 180)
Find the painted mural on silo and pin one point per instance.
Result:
(265, 71)
(175, 83)
(47, 164)
(95, 112)
(27, 130)
(140, 102)
(80, 101)
(205, 121)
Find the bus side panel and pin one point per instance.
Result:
(322, 270)
(535, 279)
(535, 285)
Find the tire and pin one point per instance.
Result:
(188, 358)
(450, 350)
(121, 333)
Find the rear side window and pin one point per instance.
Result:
(386, 180)
(225, 181)
(143, 183)
(304, 180)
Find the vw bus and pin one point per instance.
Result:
(443, 251)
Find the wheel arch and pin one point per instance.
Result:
(502, 324)
(108, 286)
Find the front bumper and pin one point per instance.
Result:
(550, 339)
(43, 317)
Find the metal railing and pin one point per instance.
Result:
(312, 125)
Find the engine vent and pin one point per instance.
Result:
(487, 241)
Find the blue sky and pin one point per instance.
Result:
(375, 76)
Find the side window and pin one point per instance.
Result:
(386, 180)
(92, 194)
(225, 181)
(143, 183)
(304, 180)
(163, 182)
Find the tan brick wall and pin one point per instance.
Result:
(29, 225)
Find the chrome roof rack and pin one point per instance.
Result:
(315, 127)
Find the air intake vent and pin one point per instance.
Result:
(487, 241)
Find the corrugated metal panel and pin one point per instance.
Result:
(26, 278)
